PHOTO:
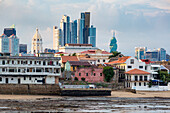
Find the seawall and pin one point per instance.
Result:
(30, 89)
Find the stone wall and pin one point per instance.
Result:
(94, 92)
(32, 89)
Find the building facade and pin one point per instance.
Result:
(23, 48)
(57, 38)
(29, 70)
(14, 45)
(73, 32)
(36, 43)
(140, 52)
(92, 36)
(4, 44)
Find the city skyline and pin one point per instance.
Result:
(137, 23)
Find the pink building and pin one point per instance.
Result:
(90, 74)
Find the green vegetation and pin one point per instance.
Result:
(108, 72)
(114, 54)
(164, 76)
(83, 79)
(61, 54)
(150, 83)
(62, 69)
(74, 54)
(76, 79)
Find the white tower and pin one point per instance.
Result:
(36, 43)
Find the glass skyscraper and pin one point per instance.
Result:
(92, 36)
(73, 32)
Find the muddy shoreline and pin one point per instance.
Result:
(158, 101)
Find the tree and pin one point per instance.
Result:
(164, 76)
(74, 54)
(108, 72)
(114, 54)
(76, 79)
(61, 54)
(83, 79)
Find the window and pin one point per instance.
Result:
(30, 78)
(103, 60)
(79, 74)
(86, 74)
(3, 69)
(37, 39)
(21, 62)
(144, 84)
(145, 78)
(141, 67)
(131, 61)
(18, 62)
(30, 62)
(40, 62)
(129, 66)
(145, 67)
(136, 78)
(12, 79)
(12, 62)
(35, 62)
(0, 79)
(141, 78)
(139, 84)
(135, 84)
(3, 62)
(34, 39)
(44, 63)
(100, 74)
(98, 60)
(24, 78)
(94, 74)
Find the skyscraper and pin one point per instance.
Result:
(73, 32)
(113, 43)
(9, 31)
(65, 27)
(140, 52)
(57, 38)
(23, 48)
(14, 45)
(152, 55)
(92, 36)
(86, 17)
(36, 43)
(161, 54)
(4, 44)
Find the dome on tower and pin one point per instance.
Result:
(37, 35)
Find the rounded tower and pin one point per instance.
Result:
(36, 43)
(113, 43)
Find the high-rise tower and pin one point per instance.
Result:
(92, 36)
(113, 43)
(57, 38)
(36, 43)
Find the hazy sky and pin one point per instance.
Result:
(137, 22)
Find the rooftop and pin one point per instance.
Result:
(79, 63)
(78, 44)
(68, 58)
(137, 71)
(95, 51)
(120, 60)
(29, 57)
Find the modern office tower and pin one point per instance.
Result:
(167, 57)
(57, 38)
(86, 17)
(9, 31)
(152, 55)
(161, 54)
(73, 32)
(23, 48)
(65, 27)
(36, 43)
(113, 43)
(140, 52)
(14, 45)
(92, 36)
(4, 44)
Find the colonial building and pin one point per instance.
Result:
(29, 70)
(36, 43)
(137, 79)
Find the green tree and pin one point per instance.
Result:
(108, 72)
(74, 54)
(61, 54)
(83, 79)
(114, 54)
(76, 79)
(164, 76)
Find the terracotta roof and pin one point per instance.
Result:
(79, 63)
(147, 61)
(167, 66)
(83, 58)
(94, 52)
(78, 44)
(68, 58)
(137, 71)
(61, 53)
(120, 60)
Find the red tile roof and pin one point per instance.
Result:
(120, 60)
(94, 52)
(79, 63)
(68, 58)
(147, 61)
(61, 53)
(137, 71)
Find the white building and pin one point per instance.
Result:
(76, 48)
(14, 45)
(57, 35)
(29, 70)
(4, 44)
(137, 79)
(36, 43)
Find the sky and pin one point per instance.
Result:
(138, 23)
